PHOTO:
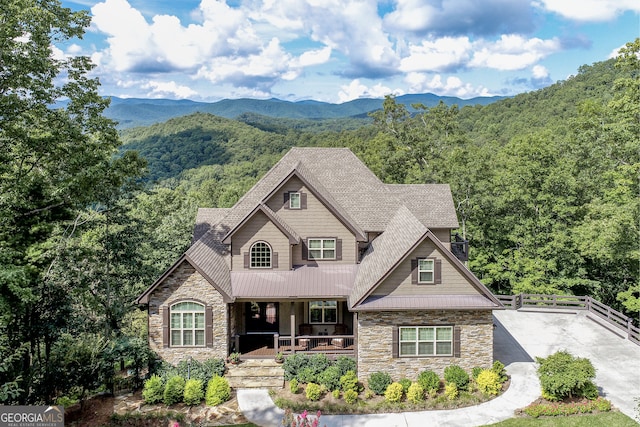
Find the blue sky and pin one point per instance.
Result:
(339, 50)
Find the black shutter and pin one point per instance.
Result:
(208, 326)
(414, 271)
(274, 260)
(338, 249)
(394, 342)
(286, 200)
(437, 273)
(303, 200)
(456, 341)
(246, 260)
(164, 314)
(305, 250)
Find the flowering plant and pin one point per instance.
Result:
(301, 420)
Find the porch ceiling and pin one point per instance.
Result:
(323, 281)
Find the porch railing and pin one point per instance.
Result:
(571, 302)
(331, 345)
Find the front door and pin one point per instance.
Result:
(262, 317)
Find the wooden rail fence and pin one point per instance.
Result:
(570, 302)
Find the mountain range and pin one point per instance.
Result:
(133, 112)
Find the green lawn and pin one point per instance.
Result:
(608, 419)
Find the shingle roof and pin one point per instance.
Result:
(211, 258)
(207, 218)
(291, 234)
(432, 204)
(403, 232)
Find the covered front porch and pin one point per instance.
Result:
(261, 329)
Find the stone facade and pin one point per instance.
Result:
(375, 345)
(186, 284)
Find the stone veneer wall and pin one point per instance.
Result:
(186, 283)
(375, 342)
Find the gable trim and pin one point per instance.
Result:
(293, 239)
(347, 222)
(471, 278)
(144, 297)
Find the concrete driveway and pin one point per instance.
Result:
(521, 336)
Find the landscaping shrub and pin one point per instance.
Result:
(319, 363)
(307, 375)
(153, 391)
(589, 390)
(475, 371)
(173, 390)
(415, 393)
(562, 409)
(313, 392)
(350, 396)
(378, 382)
(335, 394)
(330, 378)
(368, 394)
(218, 391)
(498, 368)
(294, 387)
(563, 375)
(346, 364)
(349, 381)
(429, 381)
(293, 364)
(451, 391)
(394, 392)
(455, 374)
(193, 393)
(488, 382)
(406, 383)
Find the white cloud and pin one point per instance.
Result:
(539, 72)
(589, 10)
(355, 90)
(170, 89)
(452, 86)
(441, 54)
(512, 52)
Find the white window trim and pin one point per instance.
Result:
(435, 341)
(322, 249)
(182, 329)
(299, 198)
(432, 271)
(251, 255)
(324, 310)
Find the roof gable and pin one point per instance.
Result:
(402, 236)
(293, 237)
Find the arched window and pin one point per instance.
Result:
(260, 255)
(187, 324)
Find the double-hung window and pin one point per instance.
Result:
(323, 311)
(426, 270)
(187, 324)
(322, 248)
(425, 340)
(294, 201)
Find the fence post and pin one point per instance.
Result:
(236, 342)
(276, 341)
(628, 328)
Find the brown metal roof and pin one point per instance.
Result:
(323, 281)
(433, 302)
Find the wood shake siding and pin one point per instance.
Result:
(185, 284)
(399, 281)
(314, 221)
(260, 228)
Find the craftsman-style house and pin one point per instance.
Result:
(321, 256)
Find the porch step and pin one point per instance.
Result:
(255, 373)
